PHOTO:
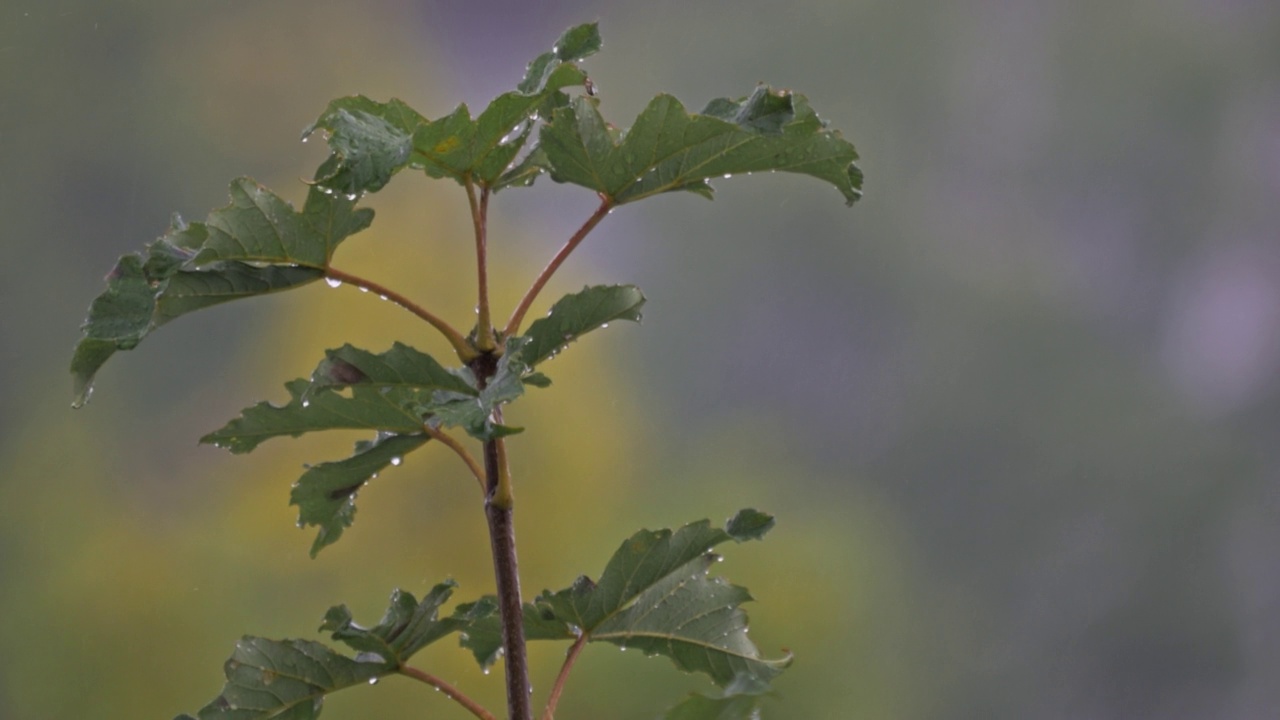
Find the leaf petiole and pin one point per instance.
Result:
(451, 443)
(456, 340)
(485, 341)
(552, 700)
(517, 317)
(449, 691)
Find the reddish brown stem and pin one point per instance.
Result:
(479, 219)
(449, 691)
(459, 343)
(574, 651)
(517, 317)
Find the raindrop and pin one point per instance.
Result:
(353, 196)
(396, 460)
(306, 403)
(364, 289)
(486, 671)
(382, 297)
(333, 282)
(477, 309)
(604, 325)
(306, 138)
(728, 175)
(373, 681)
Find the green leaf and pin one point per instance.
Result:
(575, 44)
(577, 314)
(405, 628)
(258, 245)
(474, 414)
(285, 679)
(483, 637)
(669, 149)
(654, 595)
(388, 392)
(326, 493)
(370, 142)
(484, 149)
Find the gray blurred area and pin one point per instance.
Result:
(1017, 410)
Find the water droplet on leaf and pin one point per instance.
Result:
(396, 460)
(333, 282)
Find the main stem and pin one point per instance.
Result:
(498, 509)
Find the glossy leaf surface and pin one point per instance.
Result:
(669, 149)
(387, 392)
(326, 493)
(284, 679)
(372, 141)
(257, 245)
(579, 313)
(407, 627)
(655, 595)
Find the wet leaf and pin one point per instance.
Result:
(388, 392)
(370, 141)
(281, 679)
(474, 413)
(577, 314)
(256, 246)
(326, 493)
(669, 149)
(405, 628)
(484, 636)
(654, 595)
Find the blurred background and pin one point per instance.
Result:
(1016, 411)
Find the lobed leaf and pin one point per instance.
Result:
(284, 679)
(372, 141)
(326, 493)
(388, 392)
(405, 628)
(484, 636)
(577, 314)
(654, 595)
(257, 245)
(669, 149)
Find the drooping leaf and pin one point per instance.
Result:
(669, 149)
(654, 595)
(388, 393)
(256, 246)
(370, 142)
(577, 314)
(407, 627)
(326, 493)
(285, 680)
(307, 411)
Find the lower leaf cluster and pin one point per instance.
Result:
(654, 594)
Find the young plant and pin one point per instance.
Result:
(654, 593)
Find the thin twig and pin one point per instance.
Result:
(479, 219)
(455, 338)
(569, 660)
(449, 691)
(517, 317)
(451, 443)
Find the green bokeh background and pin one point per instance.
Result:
(1016, 412)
